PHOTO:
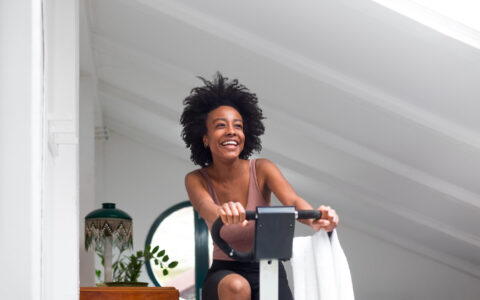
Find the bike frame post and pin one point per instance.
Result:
(268, 279)
(274, 229)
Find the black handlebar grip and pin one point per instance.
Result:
(250, 215)
(222, 244)
(309, 214)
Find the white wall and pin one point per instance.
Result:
(144, 181)
(381, 270)
(87, 172)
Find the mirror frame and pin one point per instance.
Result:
(202, 261)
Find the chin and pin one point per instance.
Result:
(231, 156)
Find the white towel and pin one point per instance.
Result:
(320, 268)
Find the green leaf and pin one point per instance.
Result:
(156, 262)
(165, 272)
(139, 253)
(147, 248)
(165, 258)
(149, 255)
(98, 273)
(173, 264)
(155, 249)
(161, 253)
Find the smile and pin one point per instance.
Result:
(226, 143)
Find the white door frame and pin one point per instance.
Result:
(60, 212)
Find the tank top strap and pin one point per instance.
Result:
(211, 189)
(253, 173)
(255, 196)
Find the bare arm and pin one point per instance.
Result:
(275, 182)
(231, 213)
(199, 196)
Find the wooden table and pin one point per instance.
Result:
(128, 293)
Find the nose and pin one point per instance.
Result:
(230, 130)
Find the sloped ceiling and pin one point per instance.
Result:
(367, 110)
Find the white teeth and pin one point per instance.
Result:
(229, 143)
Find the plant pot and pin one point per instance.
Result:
(126, 284)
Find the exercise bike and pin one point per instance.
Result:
(274, 230)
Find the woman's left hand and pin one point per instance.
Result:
(328, 221)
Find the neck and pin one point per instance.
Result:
(226, 170)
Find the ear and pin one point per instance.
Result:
(205, 141)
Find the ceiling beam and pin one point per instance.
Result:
(353, 149)
(294, 61)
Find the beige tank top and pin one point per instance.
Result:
(240, 238)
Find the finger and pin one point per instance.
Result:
(228, 213)
(241, 212)
(223, 215)
(330, 227)
(243, 215)
(324, 211)
(231, 217)
(334, 223)
(331, 218)
(235, 213)
(335, 217)
(322, 223)
(328, 212)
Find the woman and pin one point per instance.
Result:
(222, 124)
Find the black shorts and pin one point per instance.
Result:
(249, 270)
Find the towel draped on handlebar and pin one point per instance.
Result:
(320, 268)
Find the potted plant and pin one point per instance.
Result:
(127, 268)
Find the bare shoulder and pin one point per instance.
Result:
(194, 178)
(265, 167)
(263, 162)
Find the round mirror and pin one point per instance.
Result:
(175, 232)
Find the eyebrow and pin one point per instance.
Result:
(223, 119)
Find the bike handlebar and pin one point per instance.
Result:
(251, 215)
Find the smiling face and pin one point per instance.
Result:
(225, 136)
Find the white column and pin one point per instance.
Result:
(21, 119)
(60, 213)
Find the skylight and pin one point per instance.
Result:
(459, 19)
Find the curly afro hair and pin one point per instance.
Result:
(213, 94)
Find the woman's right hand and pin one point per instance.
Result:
(232, 213)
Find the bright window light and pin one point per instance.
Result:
(466, 12)
(458, 19)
